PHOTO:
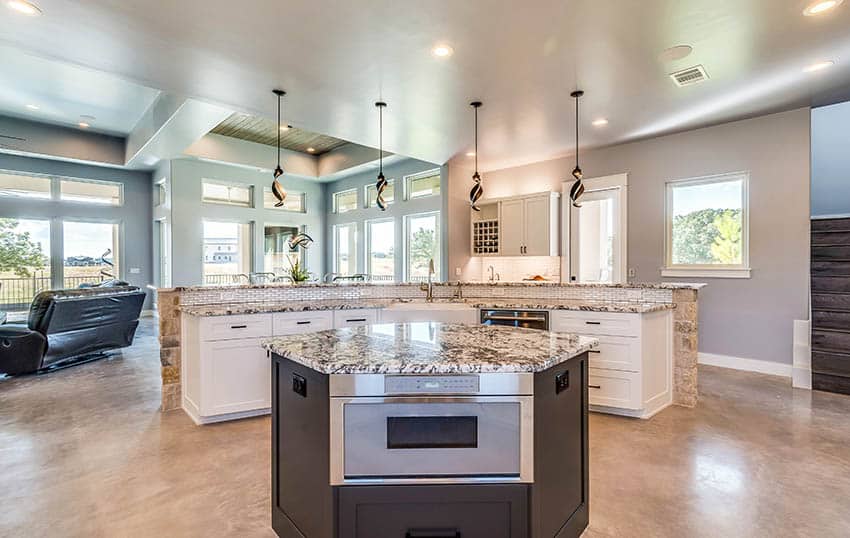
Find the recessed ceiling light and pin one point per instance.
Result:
(819, 66)
(83, 125)
(311, 150)
(470, 154)
(22, 6)
(442, 50)
(820, 6)
(601, 122)
(675, 53)
(33, 107)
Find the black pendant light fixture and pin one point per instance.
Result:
(578, 187)
(277, 188)
(381, 184)
(477, 190)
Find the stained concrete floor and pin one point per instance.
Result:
(86, 452)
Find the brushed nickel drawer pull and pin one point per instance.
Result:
(595, 386)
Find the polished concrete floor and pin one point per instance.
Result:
(86, 452)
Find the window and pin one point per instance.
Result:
(345, 201)
(91, 192)
(24, 186)
(160, 193)
(90, 252)
(345, 249)
(295, 201)
(707, 227)
(424, 184)
(277, 254)
(422, 245)
(227, 252)
(380, 249)
(223, 193)
(25, 251)
(372, 194)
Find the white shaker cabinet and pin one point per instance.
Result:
(527, 225)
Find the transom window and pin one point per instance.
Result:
(372, 194)
(37, 187)
(295, 201)
(91, 192)
(215, 192)
(423, 184)
(345, 201)
(707, 227)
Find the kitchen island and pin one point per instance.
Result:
(427, 430)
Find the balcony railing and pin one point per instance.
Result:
(18, 293)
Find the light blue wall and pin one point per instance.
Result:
(397, 210)
(188, 213)
(831, 160)
(134, 216)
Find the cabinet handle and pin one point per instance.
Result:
(432, 533)
(353, 320)
(594, 351)
(238, 326)
(303, 322)
(595, 386)
(593, 323)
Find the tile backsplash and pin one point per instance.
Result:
(516, 268)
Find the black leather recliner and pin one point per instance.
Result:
(65, 325)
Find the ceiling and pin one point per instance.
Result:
(65, 93)
(521, 59)
(265, 131)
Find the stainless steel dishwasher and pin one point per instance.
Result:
(529, 319)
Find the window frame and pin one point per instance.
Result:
(406, 277)
(408, 180)
(741, 270)
(250, 187)
(251, 229)
(61, 179)
(367, 201)
(367, 245)
(335, 205)
(355, 254)
(303, 210)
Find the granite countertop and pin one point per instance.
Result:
(228, 309)
(429, 348)
(526, 284)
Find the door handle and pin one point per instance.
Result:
(432, 533)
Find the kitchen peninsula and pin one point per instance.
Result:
(429, 429)
(213, 366)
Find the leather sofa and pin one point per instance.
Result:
(68, 326)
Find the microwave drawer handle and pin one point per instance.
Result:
(238, 326)
(432, 533)
(512, 318)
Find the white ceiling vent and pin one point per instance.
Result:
(690, 76)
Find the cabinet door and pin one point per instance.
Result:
(236, 376)
(511, 228)
(537, 227)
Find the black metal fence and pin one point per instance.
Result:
(18, 293)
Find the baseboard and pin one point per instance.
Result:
(749, 365)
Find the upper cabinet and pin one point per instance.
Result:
(517, 226)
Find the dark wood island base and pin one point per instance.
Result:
(305, 505)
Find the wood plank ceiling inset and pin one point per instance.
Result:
(264, 131)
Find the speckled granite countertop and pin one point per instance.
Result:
(429, 348)
(228, 309)
(524, 284)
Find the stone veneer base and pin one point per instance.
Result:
(685, 316)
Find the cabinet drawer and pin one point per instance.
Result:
(236, 327)
(616, 353)
(353, 318)
(614, 389)
(607, 323)
(302, 322)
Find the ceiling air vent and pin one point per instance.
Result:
(690, 76)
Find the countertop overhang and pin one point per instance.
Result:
(430, 348)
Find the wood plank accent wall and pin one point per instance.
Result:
(831, 305)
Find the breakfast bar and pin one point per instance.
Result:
(429, 430)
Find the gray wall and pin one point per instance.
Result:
(188, 213)
(396, 210)
(831, 161)
(134, 216)
(747, 318)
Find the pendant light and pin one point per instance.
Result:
(477, 191)
(578, 187)
(381, 185)
(277, 189)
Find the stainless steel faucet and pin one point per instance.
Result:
(492, 273)
(459, 291)
(429, 287)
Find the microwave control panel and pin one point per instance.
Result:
(431, 384)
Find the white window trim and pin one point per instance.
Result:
(406, 241)
(335, 195)
(284, 208)
(708, 271)
(250, 187)
(55, 194)
(335, 253)
(408, 195)
(373, 186)
(367, 250)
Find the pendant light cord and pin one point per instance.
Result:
(278, 129)
(577, 98)
(476, 140)
(380, 140)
